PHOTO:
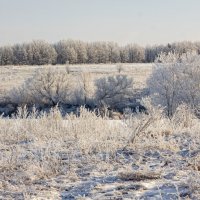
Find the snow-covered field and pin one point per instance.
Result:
(46, 156)
(89, 157)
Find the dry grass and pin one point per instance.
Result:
(36, 149)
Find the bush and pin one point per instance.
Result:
(113, 90)
(48, 86)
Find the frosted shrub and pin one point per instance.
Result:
(175, 80)
(48, 86)
(20, 95)
(113, 90)
(184, 117)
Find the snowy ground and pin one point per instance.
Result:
(153, 177)
(50, 165)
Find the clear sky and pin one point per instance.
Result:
(123, 21)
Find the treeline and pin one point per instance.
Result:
(77, 52)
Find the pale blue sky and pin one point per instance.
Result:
(123, 21)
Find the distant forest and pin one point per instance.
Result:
(77, 52)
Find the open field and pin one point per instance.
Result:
(14, 76)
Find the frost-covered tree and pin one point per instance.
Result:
(175, 80)
(197, 46)
(183, 47)
(66, 52)
(29, 52)
(113, 52)
(42, 52)
(135, 53)
(163, 83)
(101, 52)
(92, 53)
(132, 54)
(72, 55)
(6, 55)
(72, 51)
(81, 51)
(98, 52)
(20, 55)
(152, 52)
(124, 55)
(190, 79)
(61, 49)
